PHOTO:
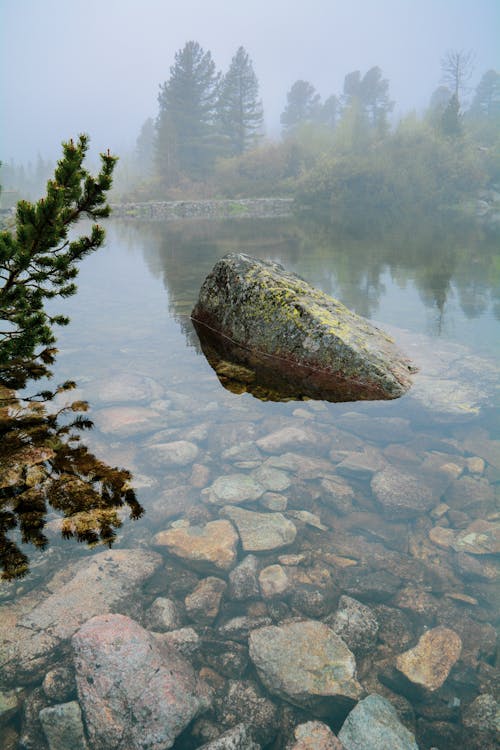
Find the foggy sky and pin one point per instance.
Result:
(71, 66)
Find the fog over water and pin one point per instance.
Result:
(96, 65)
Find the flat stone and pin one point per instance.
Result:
(307, 664)
(376, 429)
(374, 725)
(233, 489)
(260, 532)
(317, 346)
(272, 479)
(361, 464)
(176, 453)
(429, 663)
(126, 421)
(135, 691)
(402, 495)
(289, 438)
(314, 735)
(306, 467)
(273, 501)
(308, 518)
(210, 548)
(479, 538)
(124, 387)
(63, 726)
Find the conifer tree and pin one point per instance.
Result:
(37, 260)
(302, 105)
(240, 111)
(185, 124)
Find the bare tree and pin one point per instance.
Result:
(457, 67)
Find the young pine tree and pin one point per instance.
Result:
(37, 260)
(240, 111)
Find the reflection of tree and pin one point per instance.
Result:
(43, 463)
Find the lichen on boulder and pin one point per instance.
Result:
(291, 338)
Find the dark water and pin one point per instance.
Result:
(135, 356)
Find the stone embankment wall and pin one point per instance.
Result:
(260, 208)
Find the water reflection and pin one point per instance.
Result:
(44, 464)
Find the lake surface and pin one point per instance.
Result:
(135, 356)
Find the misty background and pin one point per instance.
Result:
(95, 66)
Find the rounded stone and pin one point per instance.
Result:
(374, 724)
(209, 548)
(273, 581)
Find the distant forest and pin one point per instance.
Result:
(341, 156)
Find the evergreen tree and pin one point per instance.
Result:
(439, 100)
(185, 125)
(144, 146)
(303, 105)
(486, 102)
(369, 96)
(38, 261)
(239, 108)
(330, 111)
(451, 121)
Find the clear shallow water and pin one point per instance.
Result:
(131, 345)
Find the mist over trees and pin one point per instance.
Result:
(344, 154)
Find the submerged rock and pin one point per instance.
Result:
(135, 691)
(294, 338)
(63, 726)
(374, 724)
(261, 531)
(307, 664)
(210, 548)
(428, 664)
(314, 735)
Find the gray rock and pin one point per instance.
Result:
(337, 493)
(273, 501)
(479, 538)
(376, 429)
(243, 582)
(289, 438)
(374, 724)
(203, 604)
(176, 453)
(163, 615)
(356, 624)
(483, 717)
(260, 532)
(63, 726)
(237, 738)
(233, 489)
(307, 664)
(261, 307)
(271, 478)
(135, 691)
(32, 734)
(402, 495)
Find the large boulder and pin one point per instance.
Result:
(271, 332)
(136, 692)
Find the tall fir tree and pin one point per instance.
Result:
(303, 104)
(187, 104)
(240, 110)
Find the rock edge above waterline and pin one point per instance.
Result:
(280, 323)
